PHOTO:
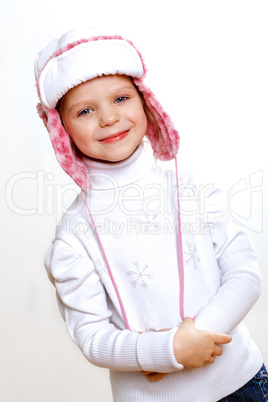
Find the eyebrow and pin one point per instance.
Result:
(115, 90)
(77, 104)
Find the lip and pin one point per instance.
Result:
(115, 137)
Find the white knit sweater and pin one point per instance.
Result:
(134, 205)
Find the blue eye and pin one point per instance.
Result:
(85, 112)
(120, 99)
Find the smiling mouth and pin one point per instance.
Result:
(116, 137)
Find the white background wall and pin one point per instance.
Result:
(208, 66)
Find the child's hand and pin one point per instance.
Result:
(194, 348)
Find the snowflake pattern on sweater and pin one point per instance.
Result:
(191, 258)
(139, 275)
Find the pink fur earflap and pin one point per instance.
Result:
(67, 154)
(166, 147)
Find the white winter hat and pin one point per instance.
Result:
(76, 60)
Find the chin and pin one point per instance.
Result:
(120, 158)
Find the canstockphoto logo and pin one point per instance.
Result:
(245, 201)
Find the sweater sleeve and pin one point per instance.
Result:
(83, 305)
(237, 261)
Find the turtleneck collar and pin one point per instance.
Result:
(105, 176)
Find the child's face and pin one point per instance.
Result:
(105, 117)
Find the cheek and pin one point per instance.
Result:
(143, 121)
(78, 130)
(67, 124)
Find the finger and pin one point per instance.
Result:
(211, 360)
(153, 377)
(164, 330)
(217, 351)
(222, 338)
(188, 320)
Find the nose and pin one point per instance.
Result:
(108, 116)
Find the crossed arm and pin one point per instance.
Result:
(193, 348)
(196, 343)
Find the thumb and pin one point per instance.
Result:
(189, 321)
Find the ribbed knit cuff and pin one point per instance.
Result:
(156, 353)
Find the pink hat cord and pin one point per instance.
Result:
(123, 311)
(180, 248)
(180, 258)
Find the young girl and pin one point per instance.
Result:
(152, 276)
